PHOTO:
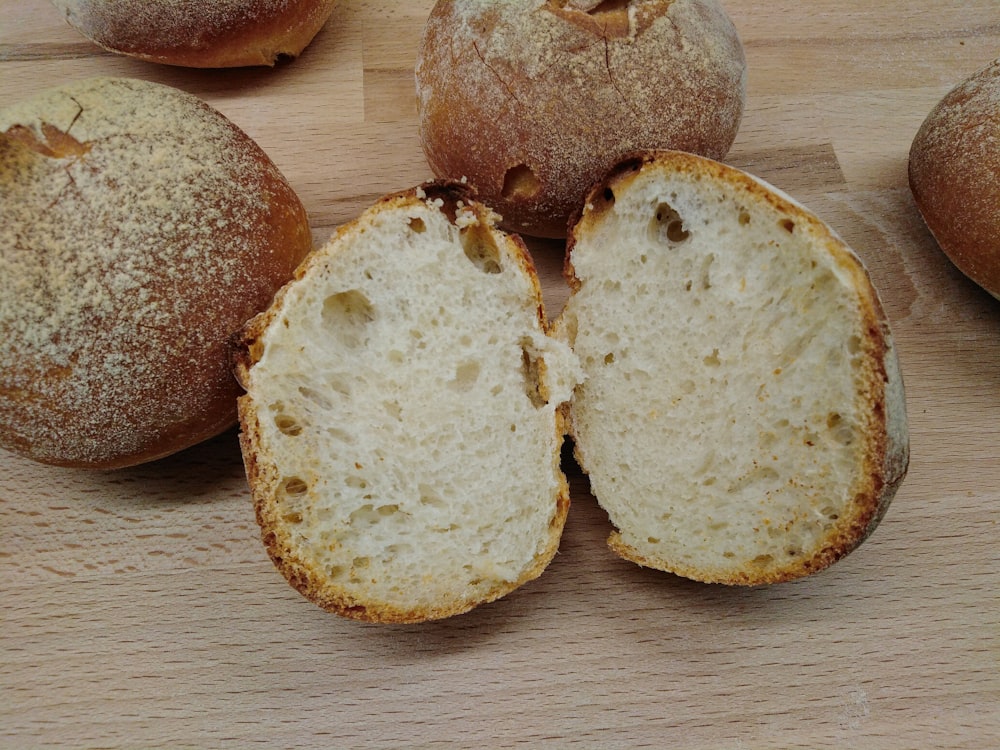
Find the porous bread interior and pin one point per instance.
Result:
(719, 421)
(398, 399)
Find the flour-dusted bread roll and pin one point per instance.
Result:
(955, 176)
(742, 419)
(533, 101)
(139, 229)
(200, 33)
(401, 428)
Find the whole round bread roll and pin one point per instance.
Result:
(955, 176)
(200, 33)
(534, 101)
(139, 229)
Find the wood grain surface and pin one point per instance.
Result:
(140, 610)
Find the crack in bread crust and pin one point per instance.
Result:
(141, 228)
(564, 93)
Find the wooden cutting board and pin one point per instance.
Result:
(139, 608)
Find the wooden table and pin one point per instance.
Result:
(140, 610)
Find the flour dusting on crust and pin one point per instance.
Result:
(139, 229)
(200, 33)
(534, 101)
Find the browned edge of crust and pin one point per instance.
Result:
(886, 458)
(599, 198)
(262, 477)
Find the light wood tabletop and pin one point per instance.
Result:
(139, 608)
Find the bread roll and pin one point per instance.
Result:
(533, 101)
(139, 229)
(401, 428)
(742, 418)
(200, 33)
(955, 176)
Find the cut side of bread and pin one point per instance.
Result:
(742, 417)
(401, 427)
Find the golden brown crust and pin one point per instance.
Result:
(954, 171)
(141, 228)
(303, 575)
(198, 34)
(886, 453)
(534, 101)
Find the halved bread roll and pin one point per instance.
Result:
(401, 427)
(742, 420)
